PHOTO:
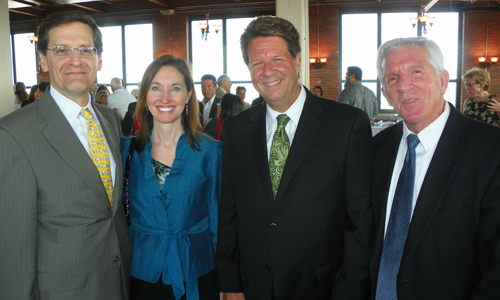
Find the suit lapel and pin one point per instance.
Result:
(436, 181)
(256, 132)
(384, 164)
(307, 131)
(63, 139)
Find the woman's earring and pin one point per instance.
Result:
(187, 110)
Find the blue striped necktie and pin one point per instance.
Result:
(397, 229)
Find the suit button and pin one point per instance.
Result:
(273, 226)
(268, 268)
(116, 259)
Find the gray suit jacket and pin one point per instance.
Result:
(59, 237)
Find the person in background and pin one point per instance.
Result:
(481, 105)
(318, 91)
(208, 105)
(224, 85)
(42, 87)
(358, 95)
(295, 216)
(437, 187)
(174, 188)
(102, 98)
(34, 95)
(102, 87)
(63, 234)
(20, 94)
(120, 98)
(241, 92)
(229, 105)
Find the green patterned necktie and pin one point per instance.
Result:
(279, 152)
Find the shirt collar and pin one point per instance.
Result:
(293, 112)
(69, 108)
(430, 135)
(211, 100)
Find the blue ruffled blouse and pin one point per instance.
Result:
(174, 233)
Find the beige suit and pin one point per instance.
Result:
(59, 237)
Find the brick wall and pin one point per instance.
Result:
(474, 44)
(329, 25)
(170, 36)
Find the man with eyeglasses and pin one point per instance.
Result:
(63, 234)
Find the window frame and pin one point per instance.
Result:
(381, 10)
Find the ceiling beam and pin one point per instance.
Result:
(159, 2)
(93, 6)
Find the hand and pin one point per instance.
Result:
(494, 106)
(233, 296)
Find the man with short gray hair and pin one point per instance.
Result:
(120, 99)
(224, 83)
(437, 188)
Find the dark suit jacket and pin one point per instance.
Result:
(453, 245)
(321, 218)
(213, 109)
(59, 237)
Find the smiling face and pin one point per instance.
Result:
(71, 76)
(412, 87)
(274, 71)
(167, 96)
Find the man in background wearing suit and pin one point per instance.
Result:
(436, 194)
(63, 234)
(295, 214)
(208, 106)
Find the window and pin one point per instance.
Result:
(132, 42)
(221, 54)
(24, 56)
(360, 34)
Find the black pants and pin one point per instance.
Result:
(208, 288)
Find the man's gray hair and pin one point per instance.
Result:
(221, 79)
(433, 52)
(116, 83)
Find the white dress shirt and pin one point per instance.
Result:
(293, 112)
(206, 110)
(429, 138)
(71, 112)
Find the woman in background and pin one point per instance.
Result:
(481, 105)
(174, 187)
(229, 105)
(318, 91)
(101, 97)
(34, 95)
(20, 93)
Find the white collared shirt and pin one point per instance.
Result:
(429, 139)
(293, 112)
(71, 112)
(206, 110)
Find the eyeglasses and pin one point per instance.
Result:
(469, 84)
(65, 51)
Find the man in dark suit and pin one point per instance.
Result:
(437, 200)
(295, 214)
(208, 106)
(63, 234)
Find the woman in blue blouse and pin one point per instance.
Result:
(174, 189)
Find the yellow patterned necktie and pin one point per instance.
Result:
(99, 153)
(279, 152)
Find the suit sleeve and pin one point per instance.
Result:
(227, 246)
(353, 280)
(489, 241)
(18, 222)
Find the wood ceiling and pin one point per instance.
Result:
(24, 13)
